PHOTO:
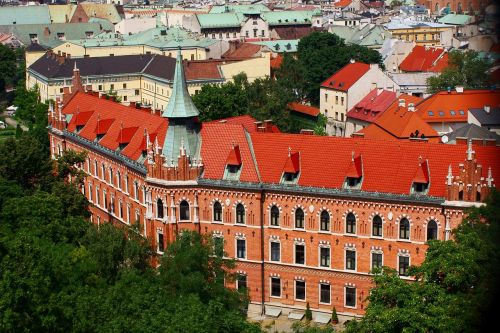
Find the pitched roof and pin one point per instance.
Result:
(455, 19)
(101, 10)
(222, 20)
(425, 59)
(398, 123)
(472, 131)
(293, 17)
(17, 15)
(345, 77)
(491, 117)
(276, 61)
(342, 3)
(304, 109)
(280, 45)
(244, 9)
(453, 106)
(242, 51)
(180, 104)
(388, 166)
(372, 105)
(292, 164)
(294, 32)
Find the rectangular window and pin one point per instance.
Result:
(160, 242)
(300, 290)
(376, 260)
(275, 287)
(241, 248)
(125, 98)
(341, 100)
(241, 282)
(324, 256)
(404, 263)
(99, 87)
(326, 97)
(336, 99)
(219, 246)
(136, 92)
(275, 251)
(300, 254)
(350, 297)
(124, 86)
(97, 197)
(112, 86)
(350, 260)
(324, 293)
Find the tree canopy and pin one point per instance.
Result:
(465, 69)
(319, 55)
(456, 286)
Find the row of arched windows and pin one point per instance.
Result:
(183, 210)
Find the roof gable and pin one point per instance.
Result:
(345, 77)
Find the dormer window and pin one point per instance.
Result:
(421, 181)
(233, 164)
(354, 174)
(291, 170)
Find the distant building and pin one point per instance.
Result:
(346, 87)
(422, 33)
(488, 117)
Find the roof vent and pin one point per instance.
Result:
(459, 89)
(402, 103)
(411, 107)
(352, 61)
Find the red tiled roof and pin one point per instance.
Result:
(305, 109)
(342, 3)
(247, 121)
(288, 32)
(126, 134)
(113, 117)
(453, 106)
(81, 118)
(234, 157)
(397, 123)
(202, 69)
(345, 77)
(372, 105)
(242, 51)
(425, 59)
(388, 166)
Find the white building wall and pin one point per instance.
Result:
(135, 25)
(255, 25)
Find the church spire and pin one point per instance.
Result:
(183, 130)
(180, 104)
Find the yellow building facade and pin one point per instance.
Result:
(427, 36)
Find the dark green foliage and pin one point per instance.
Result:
(335, 318)
(465, 69)
(7, 67)
(308, 314)
(456, 287)
(319, 55)
(308, 327)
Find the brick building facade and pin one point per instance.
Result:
(306, 217)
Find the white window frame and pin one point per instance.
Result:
(270, 249)
(295, 291)
(355, 260)
(371, 258)
(321, 246)
(271, 287)
(236, 248)
(158, 242)
(371, 233)
(355, 297)
(295, 253)
(397, 262)
(221, 213)
(319, 293)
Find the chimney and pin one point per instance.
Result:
(411, 107)
(459, 89)
(352, 61)
(46, 32)
(401, 103)
(307, 131)
(487, 109)
(61, 59)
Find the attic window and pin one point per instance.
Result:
(420, 184)
(354, 174)
(352, 182)
(420, 188)
(452, 112)
(441, 113)
(291, 170)
(461, 112)
(233, 164)
(78, 128)
(430, 113)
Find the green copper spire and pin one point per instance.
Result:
(180, 104)
(183, 132)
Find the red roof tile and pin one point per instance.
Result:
(126, 134)
(242, 51)
(453, 106)
(276, 61)
(342, 3)
(425, 59)
(372, 105)
(247, 121)
(388, 166)
(304, 109)
(397, 123)
(422, 175)
(355, 169)
(345, 77)
(81, 118)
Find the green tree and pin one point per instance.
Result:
(8, 65)
(335, 318)
(456, 286)
(308, 314)
(319, 55)
(465, 69)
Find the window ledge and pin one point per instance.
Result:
(299, 229)
(327, 232)
(217, 222)
(274, 226)
(350, 307)
(377, 237)
(404, 240)
(350, 235)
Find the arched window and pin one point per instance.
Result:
(299, 218)
(240, 214)
(159, 209)
(377, 226)
(459, 8)
(432, 230)
(404, 228)
(350, 226)
(217, 212)
(184, 210)
(325, 221)
(275, 216)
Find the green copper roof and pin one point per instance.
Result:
(183, 127)
(220, 20)
(281, 45)
(24, 15)
(180, 104)
(243, 9)
(291, 17)
(455, 19)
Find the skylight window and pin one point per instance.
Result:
(461, 112)
(452, 112)
(430, 113)
(441, 113)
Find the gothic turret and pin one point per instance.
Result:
(183, 126)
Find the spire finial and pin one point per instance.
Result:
(469, 150)
(449, 177)
(289, 151)
(352, 156)
(490, 179)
